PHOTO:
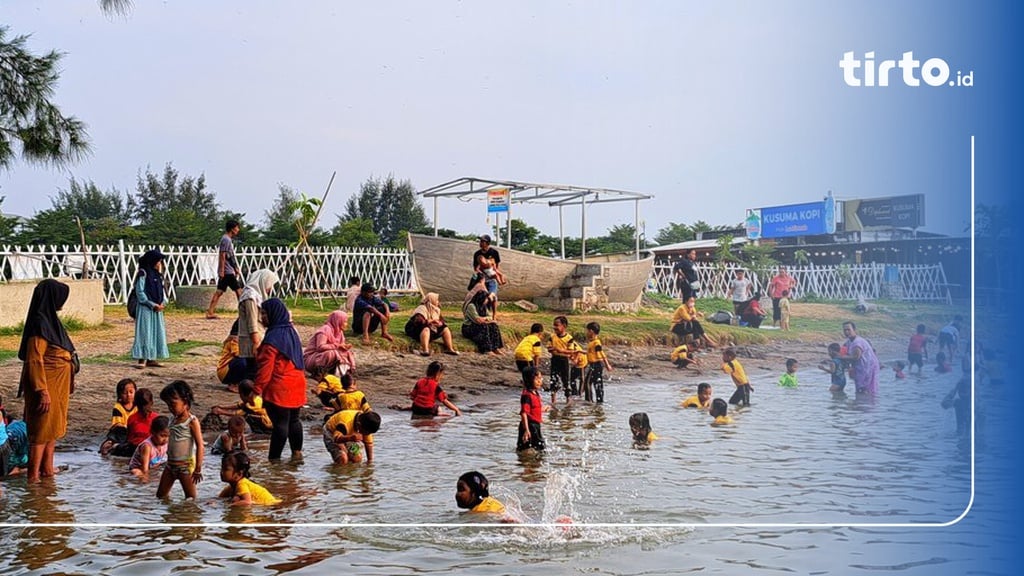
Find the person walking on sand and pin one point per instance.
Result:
(228, 273)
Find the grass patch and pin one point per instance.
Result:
(6, 355)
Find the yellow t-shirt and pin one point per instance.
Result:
(330, 383)
(562, 345)
(344, 422)
(694, 402)
(528, 348)
(678, 352)
(580, 359)
(735, 369)
(352, 400)
(228, 352)
(260, 495)
(255, 409)
(489, 504)
(595, 351)
(722, 420)
(119, 416)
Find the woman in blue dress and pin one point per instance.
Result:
(150, 333)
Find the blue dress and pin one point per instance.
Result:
(150, 333)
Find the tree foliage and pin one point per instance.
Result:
(104, 216)
(391, 206)
(31, 125)
(674, 233)
(357, 232)
(280, 223)
(171, 209)
(8, 225)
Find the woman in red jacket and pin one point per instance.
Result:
(280, 378)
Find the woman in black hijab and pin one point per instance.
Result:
(150, 332)
(47, 375)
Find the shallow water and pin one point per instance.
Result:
(797, 456)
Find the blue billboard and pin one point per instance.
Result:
(794, 220)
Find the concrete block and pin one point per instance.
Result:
(85, 301)
(198, 297)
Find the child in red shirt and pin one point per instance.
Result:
(427, 393)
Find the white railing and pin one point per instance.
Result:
(918, 283)
(322, 270)
(325, 270)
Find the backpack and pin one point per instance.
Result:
(721, 317)
(133, 304)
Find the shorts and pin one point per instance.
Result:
(536, 440)
(492, 285)
(228, 281)
(351, 449)
(945, 338)
(181, 467)
(915, 358)
(422, 412)
(256, 424)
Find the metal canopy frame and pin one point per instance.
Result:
(537, 193)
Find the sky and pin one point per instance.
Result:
(711, 107)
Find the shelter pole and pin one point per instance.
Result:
(508, 221)
(636, 226)
(435, 216)
(561, 234)
(583, 229)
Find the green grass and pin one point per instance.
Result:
(177, 350)
(6, 355)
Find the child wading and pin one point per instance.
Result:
(732, 367)
(185, 447)
(597, 363)
(531, 411)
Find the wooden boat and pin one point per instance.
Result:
(445, 265)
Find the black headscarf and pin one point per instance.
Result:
(280, 332)
(154, 279)
(477, 484)
(48, 297)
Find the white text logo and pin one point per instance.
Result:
(933, 71)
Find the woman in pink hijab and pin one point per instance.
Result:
(327, 351)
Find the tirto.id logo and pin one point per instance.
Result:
(933, 71)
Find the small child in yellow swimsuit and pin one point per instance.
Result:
(234, 469)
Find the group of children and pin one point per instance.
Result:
(174, 444)
(573, 369)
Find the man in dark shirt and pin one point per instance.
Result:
(228, 273)
(685, 272)
(369, 313)
(487, 262)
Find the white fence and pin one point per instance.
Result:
(918, 283)
(327, 270)
(323, 270)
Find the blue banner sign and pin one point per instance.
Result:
(797, 220)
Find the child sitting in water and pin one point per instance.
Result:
(897, 368)
(139, 423)
(471, 493)
(720, 412)
(152, 451)
(700, 400)
(835, 366)
(123, 408)
(426, 394)
(788, 380)
(346, 433)
(234, 470)
(640, 428)
(249, 407)
(232, 439)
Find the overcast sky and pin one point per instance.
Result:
(712, 107)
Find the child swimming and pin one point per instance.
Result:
(472, 493)
(720, 412)
(700, 400)
(234, 470)
(640, 428)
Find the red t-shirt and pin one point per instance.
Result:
(426, 393)
(532, 405)
(917, 342)
(138, 427)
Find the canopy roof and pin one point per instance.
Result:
(532, 192)
(536, 193)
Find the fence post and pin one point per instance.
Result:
(122, 269)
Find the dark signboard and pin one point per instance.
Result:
(891, 212)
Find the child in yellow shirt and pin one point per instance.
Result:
(732, 367)
(597, 363)
(720, 412)
(529, 349)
